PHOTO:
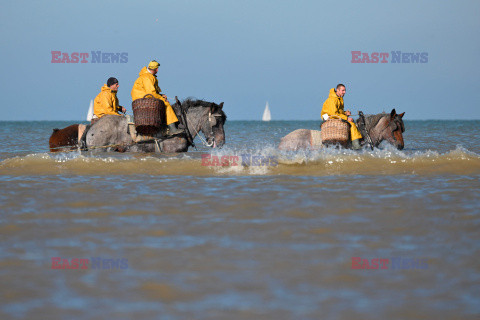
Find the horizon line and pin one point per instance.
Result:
(256, 120)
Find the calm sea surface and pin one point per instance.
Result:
(165, 237)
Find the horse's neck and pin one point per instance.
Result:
(194, 124)
(375, 131)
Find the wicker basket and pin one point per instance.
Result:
(335, 131)
(149, 114)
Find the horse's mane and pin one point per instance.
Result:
(190, 103)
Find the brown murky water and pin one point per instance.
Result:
(165, 237)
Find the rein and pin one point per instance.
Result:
(183, 115)
(367, 134)
(204, 142)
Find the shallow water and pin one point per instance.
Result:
(271, 241)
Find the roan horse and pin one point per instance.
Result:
(379, 127)
(110, 132)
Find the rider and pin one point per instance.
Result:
(147, 83)
(333, 108)
(106, 102)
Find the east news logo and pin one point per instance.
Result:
(92, 57)
(395, 57)
(96, 263)
(397, 263)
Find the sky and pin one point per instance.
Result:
(244, 53)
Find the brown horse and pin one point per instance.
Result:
(378, 127)
(64, 139)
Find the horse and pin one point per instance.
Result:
(379, 127)
(64, 139)
(111, 132)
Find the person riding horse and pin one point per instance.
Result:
(333, 108)
(106, 102)
(147, 83)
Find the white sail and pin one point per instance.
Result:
(90, 111)
(266, 114)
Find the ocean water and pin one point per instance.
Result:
(326, 234)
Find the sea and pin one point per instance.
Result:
(242, 232)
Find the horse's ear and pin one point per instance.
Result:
(401, 115)
(393, 113)
(220, 106)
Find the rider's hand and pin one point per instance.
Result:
(350, 119)
(124, 110)
(348, 113)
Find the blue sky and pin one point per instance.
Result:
(289, 53)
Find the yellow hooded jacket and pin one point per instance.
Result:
(147, 83)
(106, 102)
(333, 106)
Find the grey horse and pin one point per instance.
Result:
(111, 132)
(378, 127)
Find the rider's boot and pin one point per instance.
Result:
(172, 129)
(356, 144)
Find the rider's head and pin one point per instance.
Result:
(340, 90)
(112, 83)
(153, 66)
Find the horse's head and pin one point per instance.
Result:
(212, 125)
(207, 117)
(217, 120)
(390, 128)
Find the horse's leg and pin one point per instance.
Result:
(173, 145)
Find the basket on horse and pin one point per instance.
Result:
(335, 131)
(149, 114)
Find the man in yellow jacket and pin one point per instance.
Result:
(106, 102)
(333, 108)
(147, 83)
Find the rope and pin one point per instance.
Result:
(159, 145)
(204, 142)
(77, 148)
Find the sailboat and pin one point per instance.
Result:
(90, 111)
(266, 114)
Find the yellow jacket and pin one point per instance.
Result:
(333, 106)
(146, 83)
(106, 102)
